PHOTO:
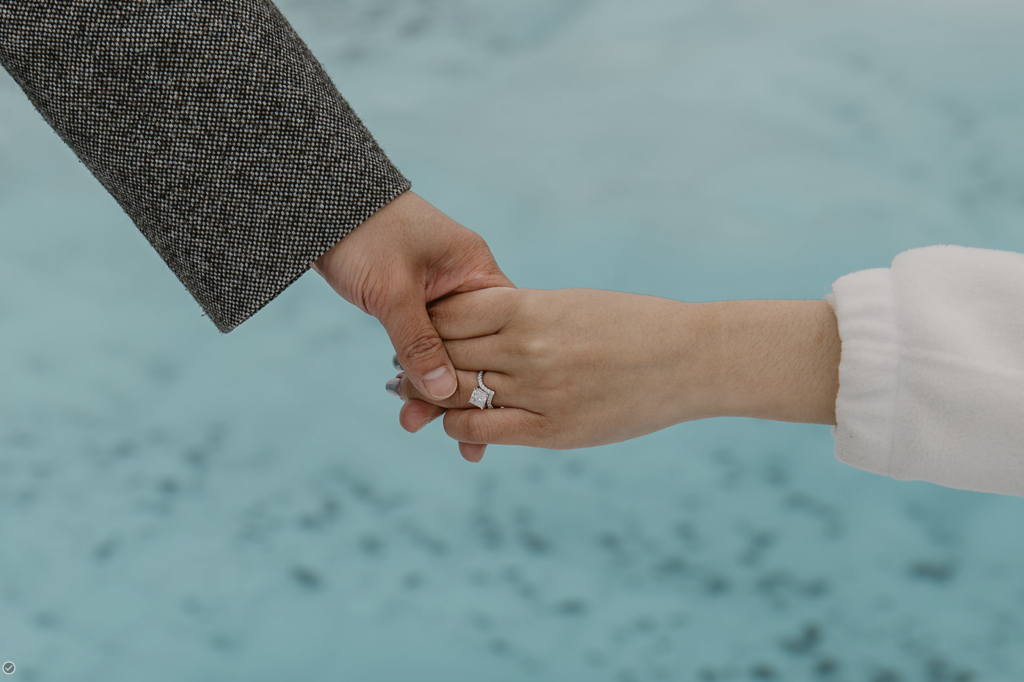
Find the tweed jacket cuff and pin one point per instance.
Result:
(215, 129)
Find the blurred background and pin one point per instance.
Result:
(177, 504)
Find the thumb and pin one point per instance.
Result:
(420, 350)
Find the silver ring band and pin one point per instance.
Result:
(482, 395)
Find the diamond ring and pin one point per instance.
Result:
(482, 395)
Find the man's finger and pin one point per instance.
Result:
(460, 398)
(420, 351)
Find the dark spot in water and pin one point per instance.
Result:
(763, 671)
(535, 474)
(716, 583)
(645, 624)
(124, 449)
(105, 548)
(25, 497)
(162, 372)
(223, 643)
(434, 545)
(306, 577)
(829, 516)
(216, 434)
(731, 466)
(938, 669)
(687, 533)
(21, 439)
(760, 541)
(46, 620)
(523, 587)
(412, 580)
(573, 606)
(197, 457)
(804, 642)
(371, 544)
(168, 486)
(610, 542)
(321, 517)
(192, 606)
(780, 587)
(487, 529)
(480, 621)
(935, 571)
(826, 667)
(498, 646)
(815, 588)
(886, 675)
(42, 469)
(531, 540)
(671, 566)
(574, 468)
(775, 475)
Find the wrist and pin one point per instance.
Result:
(773, 359)
(397, 211)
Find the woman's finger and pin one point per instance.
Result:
(472, 452)
(492, 353)
(511, 426)
(474, 313)
(500, 383)
(416, 414)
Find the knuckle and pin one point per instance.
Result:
(537, 347)
(540, 428)
(422, 348)
(549, 428)
(439, 313)
(478, 430)
(463, 428)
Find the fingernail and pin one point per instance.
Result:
(440, 383)
(392, 387)
(396, 363)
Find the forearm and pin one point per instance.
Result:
(773, 359)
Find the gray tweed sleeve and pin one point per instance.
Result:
(213, 126)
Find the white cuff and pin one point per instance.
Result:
(865, 308)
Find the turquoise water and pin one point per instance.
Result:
(179, 504)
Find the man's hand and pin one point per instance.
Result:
(391, 266)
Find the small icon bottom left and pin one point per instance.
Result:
(8, 667)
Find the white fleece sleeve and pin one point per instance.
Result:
(931, 378)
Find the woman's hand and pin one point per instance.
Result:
(573, 368)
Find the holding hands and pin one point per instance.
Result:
(577, 368)
(569, 368)
(572, 368)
